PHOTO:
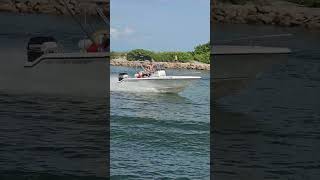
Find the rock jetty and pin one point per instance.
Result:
(170, 65)
(56, 7)
(280, 13)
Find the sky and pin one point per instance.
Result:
(159, 25)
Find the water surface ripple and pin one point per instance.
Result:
(156, 135)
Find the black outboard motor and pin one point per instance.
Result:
(122, 76)
(36, 46)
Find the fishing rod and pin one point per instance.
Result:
(103, 16)
(78, 22)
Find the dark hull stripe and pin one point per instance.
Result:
(64, 58)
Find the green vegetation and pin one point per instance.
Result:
(201, 53)
(116, 55)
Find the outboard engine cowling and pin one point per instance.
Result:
(122, 76)
(38, 46)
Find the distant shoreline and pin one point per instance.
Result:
(170, 65)
(269, 12)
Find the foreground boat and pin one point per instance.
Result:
(49, 68)
(158, 81)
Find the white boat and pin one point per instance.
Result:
(48, 68)
(158, 81)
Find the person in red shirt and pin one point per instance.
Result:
(93, 48)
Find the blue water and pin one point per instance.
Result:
(156, 135)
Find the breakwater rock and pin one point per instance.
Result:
(278, 13)
(56, 7)
(170, 65)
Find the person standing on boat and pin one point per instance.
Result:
(105, 43)
(149, 69)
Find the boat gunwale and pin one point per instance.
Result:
(67, 56)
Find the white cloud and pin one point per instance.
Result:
(118, 33)
(128, 31)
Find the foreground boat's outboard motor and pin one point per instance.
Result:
(38, 46)
(122, 76)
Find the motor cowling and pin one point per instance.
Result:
(122, 76)
(37, 46)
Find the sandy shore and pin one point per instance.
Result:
(171, 65)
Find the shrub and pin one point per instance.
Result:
(115, 55)
(201, 53)
(140, 55)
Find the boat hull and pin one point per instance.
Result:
(76, 74)
(167, 84)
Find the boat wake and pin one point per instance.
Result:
(115, 86)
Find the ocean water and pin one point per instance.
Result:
(52, 137)
(47, 136)
(271, 129)
(66, 137)
(160, 136)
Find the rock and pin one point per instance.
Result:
(170, 65)
(46, 8)
(7, 7)
(264, 9)
(313, 24)
(274, 12)
(49, 6)
(219, 18)
(251, 19)
(300, 17)
(265, 19)
(22, 7)
(252, 10)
